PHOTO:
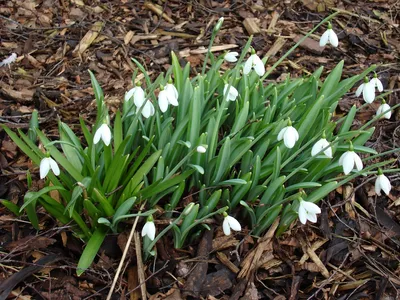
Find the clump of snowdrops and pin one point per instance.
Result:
(244, 152)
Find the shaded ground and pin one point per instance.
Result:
(352, 253)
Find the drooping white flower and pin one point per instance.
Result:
(382, 183)
(329, 36)
(104, 133)
(148, 109)
(349, 159)
(377, 83)
(201, 149)
(46, 164)
(322, 144)
(254, 62)
(149, 228)
(167, 95)
(384, 107)
(172, 94)
(308, 211)
(368, 91)
(230, 223)
(138, 95)
(231, 57)
(9, 60)
(289, 135)
(231, 94)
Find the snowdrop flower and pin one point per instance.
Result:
(382, 183)
(201, 149)
(308, 211)
(254, 62)
(329, 37)
(377, 83)
(231, 57)
(230, 223)
(384, 107)
(148, 107)
(322, 144)
(138, 95)
(289, 135)
(46, 164)
(104, 133)
(368, 91)
(349, 159)
(9, 60)
(167, 96)
(218, 25)
(149, 228)
(231, 94)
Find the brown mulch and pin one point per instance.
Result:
(351, 253)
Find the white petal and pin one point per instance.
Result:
(282, 133)
(258, 66)
(312, 217)
(384, 107)
(302, 215)
(44, 167)
(147, 110)
(318, 146)
(149, 229)
(341, 159)
(369, 92)
(359, 90)
(233, 93)
(379, 85)
(54, 167)
(97, 136)
(231, 56)
(234, 224)
(311, 207)
(348, 162)
(138, 97)
(333, 39)
(225, 227)
(172, 99)
(106, 134)
(324, 39)
(358, 161)
(129, 94)
(385, 184)
(378, 186)
(328, 152)
(248, 65)
(163, 101)
(290, 137)
(201, 149)
(172, 89)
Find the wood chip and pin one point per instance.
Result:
(251, 25)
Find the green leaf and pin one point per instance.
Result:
(91, 249)
(223, 160)
(197, 168)
(11, 207)
(302, 185)
(236, 181)
(33, 196)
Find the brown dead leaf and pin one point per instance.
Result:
(88, 39)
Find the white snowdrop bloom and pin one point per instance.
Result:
(289, 135)
(377, 83)
(348, 160)
(46, 164)
(230, 223)
(308, 211)
(149, 229)
(138, 95)
(172, 94)
(231, 57)
(167, 95)
(368, 91)
(148, 109)
(384, 107)
(382, 183)
(254, 62)
(104, 133)
(231, 94)
(201, 149)
(9, 60)
(329, 36)
(322, 144)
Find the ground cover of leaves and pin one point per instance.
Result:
(351, 253)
